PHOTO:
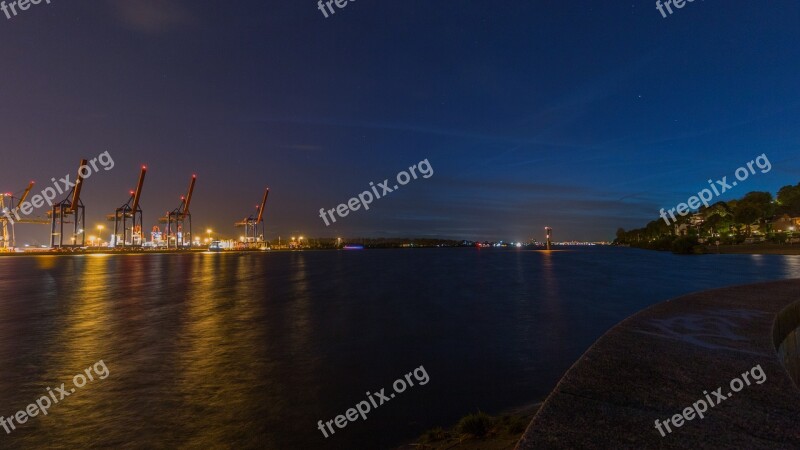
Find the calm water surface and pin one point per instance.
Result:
(251, 350)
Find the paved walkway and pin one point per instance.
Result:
(660, 361)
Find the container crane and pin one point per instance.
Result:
(251, 224)
(69, 211)
(131, 232)
(178, 218)
(8, 241)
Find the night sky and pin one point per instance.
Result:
(584, 116)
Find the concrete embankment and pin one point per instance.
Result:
(658, 363)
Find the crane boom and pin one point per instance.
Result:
(76, 196)
(139, 186)
(189, 195)
(25, 194)
(263, 204)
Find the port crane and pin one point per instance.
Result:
(128, 222)
(251, 224)
(178, 218)
(69, 211)
(11, 214)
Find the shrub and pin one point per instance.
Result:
(434, 435)
(663, 243)
(684, 245)
(477, 424)
(778, 238)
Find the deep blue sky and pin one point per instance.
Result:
(583, 116)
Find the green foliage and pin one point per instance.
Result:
(685, 245)
(435, 435)
(729, 222)
(477, 424)
(778, 238)
(663, 243)
(733, 240)
(746, 214)
(789, 200)
(760, 199)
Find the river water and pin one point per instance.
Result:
(252, 350)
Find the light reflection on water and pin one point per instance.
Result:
(250, 350)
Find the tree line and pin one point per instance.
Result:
(730, 222)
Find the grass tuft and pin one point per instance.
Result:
(478, 424)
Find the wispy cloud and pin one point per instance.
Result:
(412, 128)
(152, 16)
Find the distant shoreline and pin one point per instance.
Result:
(755, 249)
(739, 249)
(106, 252)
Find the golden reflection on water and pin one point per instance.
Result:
(82, 338)
(549, 276)
(46, 262)
(197, 357)
(218, 365)
(300, 308)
